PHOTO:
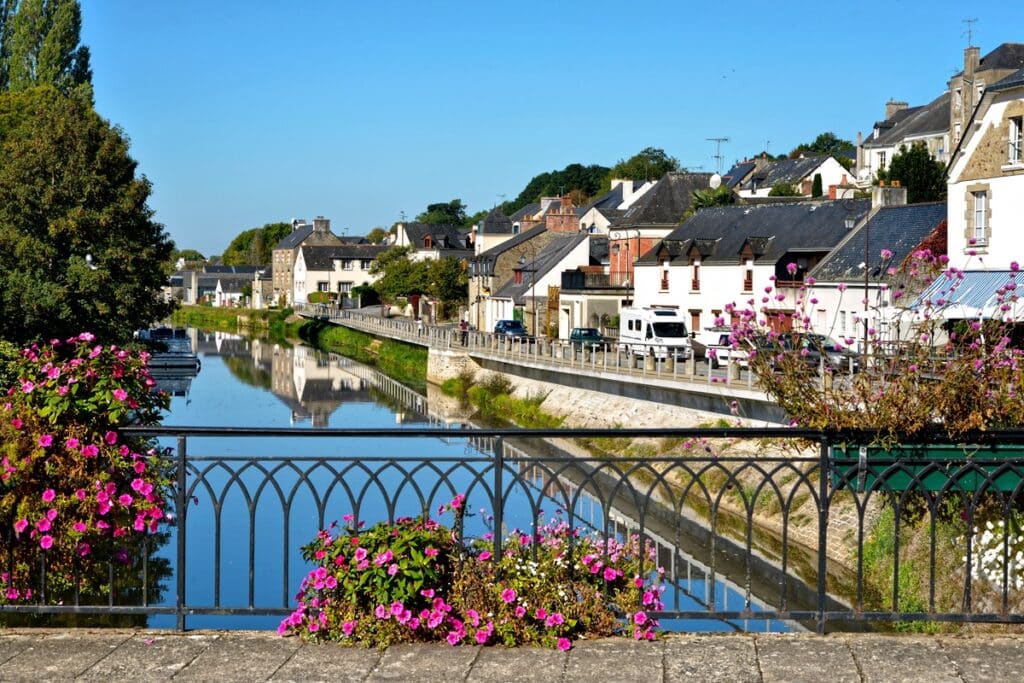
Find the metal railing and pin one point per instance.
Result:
(767, 525)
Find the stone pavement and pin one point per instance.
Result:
(223, 656)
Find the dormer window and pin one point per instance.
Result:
(695, 275)
(664, 275)
(748, 275)
(428, 242)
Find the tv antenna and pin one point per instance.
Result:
(969, 32)
(717, 156)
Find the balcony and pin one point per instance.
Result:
(575, 280)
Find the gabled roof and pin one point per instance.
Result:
(930, 119)
(665, 203)
(1006, 56)
(295, 237)
(321, 258)
(442, 236)
(783, 171)
(550, 257)
(1014, 80)
(609, 200)
(527, 211)
(738, 173)
(781, 228)
(900, 229)
(233, 269)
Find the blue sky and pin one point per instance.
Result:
(245, 113)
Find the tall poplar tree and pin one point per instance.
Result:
(40, 45)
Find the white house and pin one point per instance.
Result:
(333, 269)
(758, 180)
(600, 213)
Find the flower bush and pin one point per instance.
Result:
(415, 580)
(921, 371)
(74, 490)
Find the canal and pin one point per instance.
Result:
(255, 501)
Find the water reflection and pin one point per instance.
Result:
(259, 513)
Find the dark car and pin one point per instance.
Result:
(588, 337)
(510, 328)
(837, 357)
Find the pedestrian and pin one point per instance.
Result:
(464, 330)
(419, 326)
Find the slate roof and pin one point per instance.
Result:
(295, 237)
(900, 229)
(1006, 56)
(609, 200)
(738, 173)
(233, 269)
(1014, 80)
(497, 223)
(525, 212)
(550, 256)
(720, 233)
(929, 119)
(665, 203)
(320, 258)
(782, 171)
(443, 236)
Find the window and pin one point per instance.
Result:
(323, 286)
(428, 242)
(695, 278)
(346, 264)
(1015, 155)
(748, 276)
(842, 321)
(344, 287)
(664, 276)
(980, 232)
(956, 132)
(881, 161)
(364, 264)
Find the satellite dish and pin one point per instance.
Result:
(715, 182)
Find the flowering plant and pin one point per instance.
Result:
(73, 489)
(414, 580)
(920, 371)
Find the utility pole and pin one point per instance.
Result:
(718, 152)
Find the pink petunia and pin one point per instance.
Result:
(46, 440)
(49, 495)
(46, 542)
(20, 525)
(120, 394)
(564, 644)
(508, 595)
(111, 437)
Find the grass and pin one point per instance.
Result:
(406, 363)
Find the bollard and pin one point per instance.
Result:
(649, 362)
(691, 365)
(732, 371)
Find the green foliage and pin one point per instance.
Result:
(704, 199)
(448, 280)
(207, 317)
(414, 580)
(588, 179)
(377, 235)
(816, 190)
(39, 46)
(322, 297)
(256, 245)
(916, 170)
(400, 276)
(445, 213)
(825, 144)
(70, 483)
(54, 214)
(405, 362)
(650, 163)
(783, 189)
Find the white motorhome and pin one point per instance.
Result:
(660, 331)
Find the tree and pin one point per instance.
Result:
(816, 189)
(399, 275)
(587, 179)
(68, 191)
(650, 163)
(444, 213)
(448, 281)
(377, 235)
(41, 45)
(916, 170)
(783, 189)
(705, 199)
(255, 246)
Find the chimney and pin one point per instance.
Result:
(321, 225)
(888, 195)
(298, 223)
(892, 107)
(972, 60)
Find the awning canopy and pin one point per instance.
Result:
(973, 295)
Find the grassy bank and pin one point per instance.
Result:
(273, 323)
(406, 363)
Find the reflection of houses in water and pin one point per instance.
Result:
(316, 384)
(174, 381)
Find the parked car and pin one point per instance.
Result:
(837, 356)
(718, 347)
(510, 328)
(589, 338)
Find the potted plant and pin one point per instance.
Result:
(928, 387)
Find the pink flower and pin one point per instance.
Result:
(482, 636)
(640, 618)
(610, 574)
(90, 451)
(49, 495)
(427, 593)
(348, 627)
(46, 542)
(80, 527)
(430, 552)
(120, 394)
(484, 556)
(16, 423)
(520, 611)
(541, 613)
(71, 443)
(564, 644)
(20, 525)
(791, 268)
(45, 440)
(392, 569)
(455, 637)
(124, 499)
(27, 387)
(381, 612)
(508, 595)
(111, 437)
(43, 524)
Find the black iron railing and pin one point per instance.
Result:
(802, 528)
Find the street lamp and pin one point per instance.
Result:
(533, 285)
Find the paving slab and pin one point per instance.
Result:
(425, 663)
(983, 659)
(60, 655)
(240, 657)
(519, 665)
(12, 644)
(612, 660)
(711, 658)
(902, 658)
(805, 657)
(329, 662)
(150, 656)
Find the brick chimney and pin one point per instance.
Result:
(888, 195)
(563, 219)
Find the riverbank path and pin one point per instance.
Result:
(223, 656)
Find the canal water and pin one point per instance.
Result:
(244, 513)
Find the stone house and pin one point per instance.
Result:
(286, 251)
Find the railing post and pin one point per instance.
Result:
(498, 496)
(180, 502)
(823, 507)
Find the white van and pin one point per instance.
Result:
(659, 331)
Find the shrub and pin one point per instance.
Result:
(73, 490)
(415, 580)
